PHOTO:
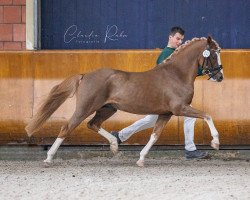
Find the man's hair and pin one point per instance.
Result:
(176, 29)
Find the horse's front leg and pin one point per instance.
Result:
(215, 143)
(189, 111)
(160, 124)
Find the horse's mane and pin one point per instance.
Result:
(187, 43)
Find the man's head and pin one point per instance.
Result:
(176, 37)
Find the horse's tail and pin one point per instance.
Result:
(56, 98)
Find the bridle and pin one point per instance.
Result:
(212, 70)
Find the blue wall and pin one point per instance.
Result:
(141, 24)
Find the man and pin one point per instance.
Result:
(175, 39)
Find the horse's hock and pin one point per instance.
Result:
(27, 77)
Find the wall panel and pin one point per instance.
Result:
(27, 77)
(141, 24)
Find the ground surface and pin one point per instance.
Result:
(81, 174)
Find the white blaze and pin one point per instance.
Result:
(219, 60)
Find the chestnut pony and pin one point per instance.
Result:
(165, 90)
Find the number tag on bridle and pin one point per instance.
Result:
(206, 53)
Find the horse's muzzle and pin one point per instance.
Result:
(220, 78)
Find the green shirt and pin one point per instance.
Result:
(166, 52)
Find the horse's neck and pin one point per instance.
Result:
(185, 63)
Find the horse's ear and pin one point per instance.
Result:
(209, 40)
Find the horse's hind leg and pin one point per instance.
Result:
(75, 120)
(160, 124)
(95, 123)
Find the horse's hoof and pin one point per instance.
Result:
(114, 147)
(140, 163)
(215, 146)
(47, 163)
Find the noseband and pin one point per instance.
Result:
(212, 70)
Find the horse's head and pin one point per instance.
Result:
(211, 62)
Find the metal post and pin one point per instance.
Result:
(37, 24)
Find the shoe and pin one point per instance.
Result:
(116, 134)
(196, 154)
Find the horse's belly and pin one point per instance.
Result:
(142, 107)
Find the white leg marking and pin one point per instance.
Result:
(112, 140)
(53, 150)
(146, 149)
(215, 143)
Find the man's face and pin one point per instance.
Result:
(176, 40)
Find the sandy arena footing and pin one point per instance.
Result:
(93, 174)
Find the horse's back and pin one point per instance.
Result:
(100, 81)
